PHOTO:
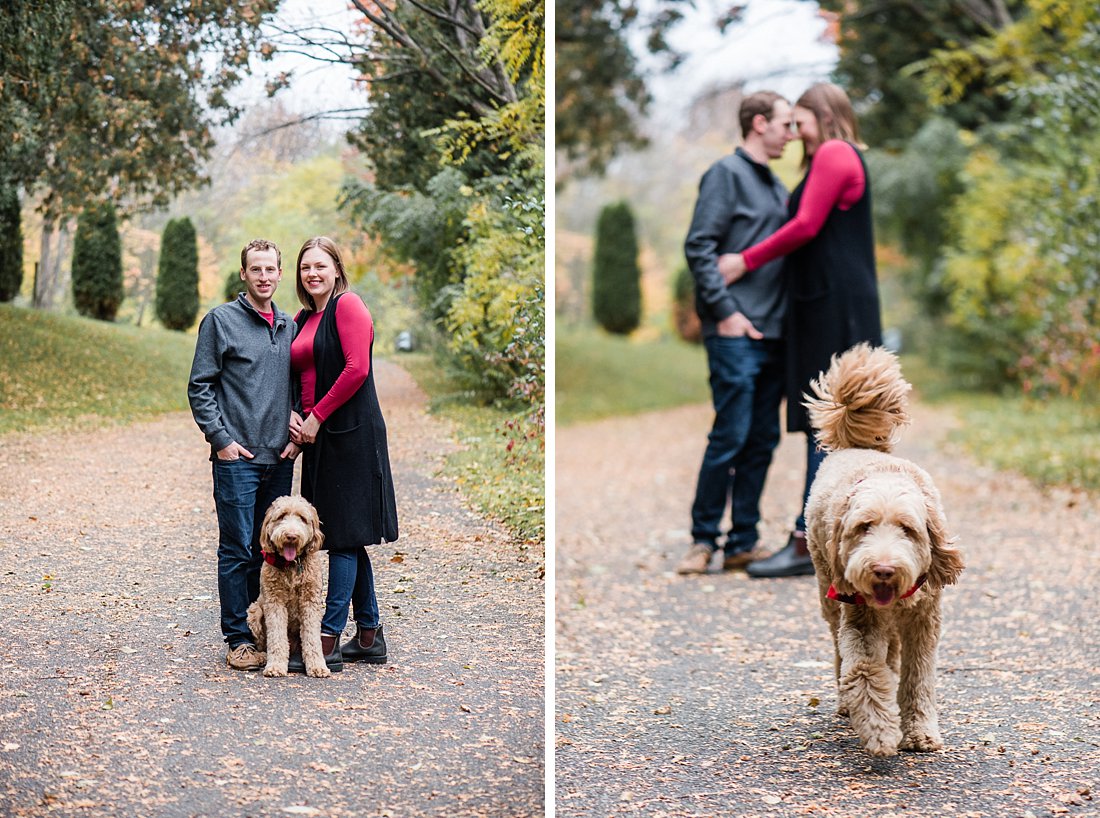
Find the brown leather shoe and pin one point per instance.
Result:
(792, 560)
(697, 559)
(245, 657)
(739, 559)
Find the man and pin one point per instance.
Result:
(240, 397)
(740, 202)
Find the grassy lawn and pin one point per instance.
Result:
(601, 375)
(506, 485)
(59, 370)
(1054, 441)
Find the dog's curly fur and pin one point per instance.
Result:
(875, 530)
(292, 598)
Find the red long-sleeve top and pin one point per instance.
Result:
(355, 327)
(836, 179)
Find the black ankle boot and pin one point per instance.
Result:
(367, 646)
(334, 660)
(793, 560)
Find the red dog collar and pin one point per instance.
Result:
(277, 560)
(857, 599)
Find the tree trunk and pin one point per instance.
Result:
(43, 285)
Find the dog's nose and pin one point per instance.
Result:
(884, 572)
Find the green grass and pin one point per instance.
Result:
(1054, 441)
(600, 375)
(61, 370)
(508, 486)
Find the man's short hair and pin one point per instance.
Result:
(261, 244)
(762, 102)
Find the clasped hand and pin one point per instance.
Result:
(303, 431)
(731, 266)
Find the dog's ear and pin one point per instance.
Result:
(947, 562)
(265, 526)
(315, 527)
(836, 527)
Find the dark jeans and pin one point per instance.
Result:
(746, 384)
(242, 493)
(350, 579)
(814, 457)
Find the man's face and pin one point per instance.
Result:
(262, 275)
(778, 131)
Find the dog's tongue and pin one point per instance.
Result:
(289, 553)
(884, 593)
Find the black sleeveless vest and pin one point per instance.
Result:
(346, 472)
(832, 292)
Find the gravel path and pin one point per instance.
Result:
(114, 696)
(714, 696)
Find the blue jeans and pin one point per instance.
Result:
(746, 383)
(242, 493)
(814, 457)
(350, 579)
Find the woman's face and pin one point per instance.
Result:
(317, 272)
(805, 124)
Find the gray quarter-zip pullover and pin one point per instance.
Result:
(741, 202)
(239, 389)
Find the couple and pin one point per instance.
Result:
(780, 285)
(265, 388)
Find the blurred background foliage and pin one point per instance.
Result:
(981, 120)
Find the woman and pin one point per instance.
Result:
(345, 462)
(832, 288)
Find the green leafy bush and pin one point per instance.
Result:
(97, 263)
(616, 277)
(496, 318)
(11, 245)
(423, 229)
(178, 275)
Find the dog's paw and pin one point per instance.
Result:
(921, 741)
(319, 672)
(881, 746)
(272, 671)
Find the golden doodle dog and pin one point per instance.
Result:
(292, 598)
(878, 538)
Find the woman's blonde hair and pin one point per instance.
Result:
(328, 246)
(833, 111)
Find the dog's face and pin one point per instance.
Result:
(290, 529)
(890, 535)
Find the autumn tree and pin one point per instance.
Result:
(1021, 273)
(600, 87)
(178, 275)
(117, 98)
(883, 46)
(97, 263)
(11, 245)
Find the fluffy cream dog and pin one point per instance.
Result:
(292, 598)
(878, 538)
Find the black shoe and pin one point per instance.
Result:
(334, 660)
(373, 655)
(792, 560)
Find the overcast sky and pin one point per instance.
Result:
(777, 46)
(314, 85)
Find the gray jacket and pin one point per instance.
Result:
(239, 389)
(741, 203)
